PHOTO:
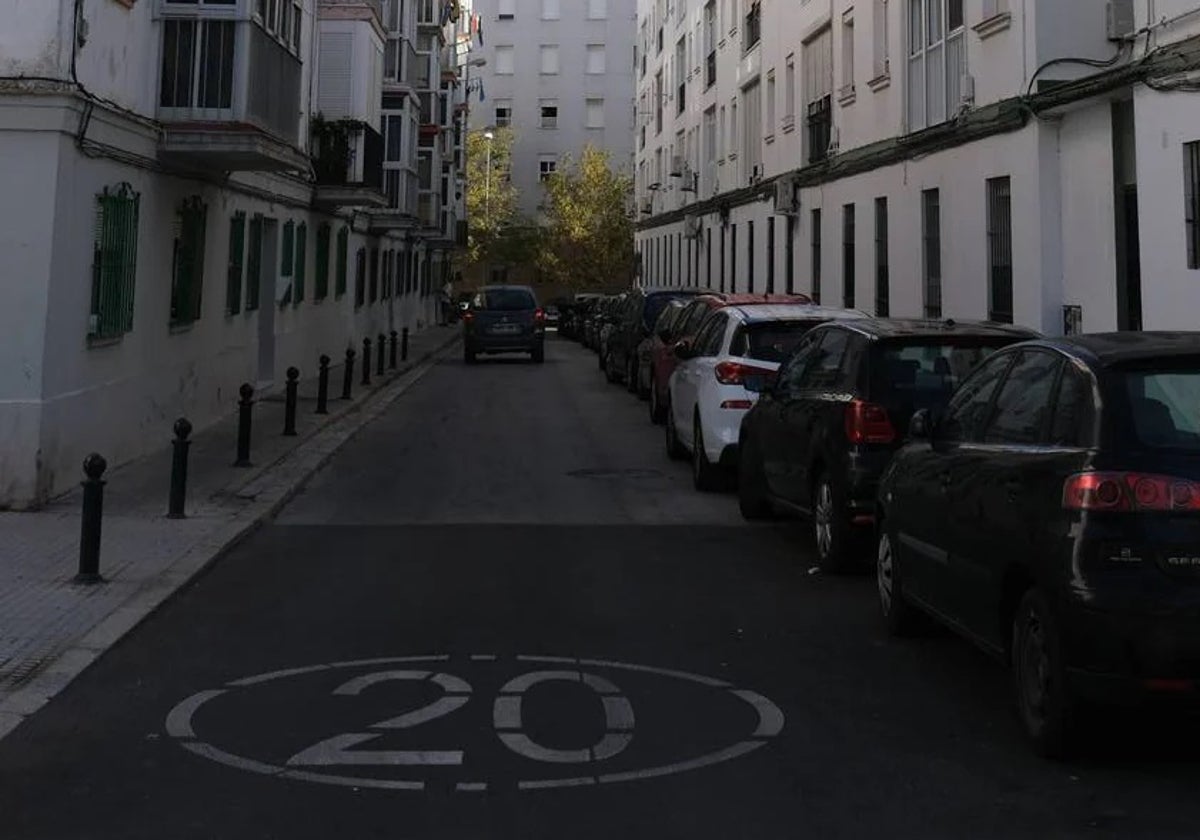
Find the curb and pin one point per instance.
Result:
(297, 469)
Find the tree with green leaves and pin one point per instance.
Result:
(491, 197)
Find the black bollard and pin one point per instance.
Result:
(382, 349)
(323, 385)
(393, 346)
(289, 402)
(179, 469)
(93, 512)
(348, 374)
(245, 406)
(366, 377)
(404, 345)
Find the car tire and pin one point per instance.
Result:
(656, 408)
(538, 355)
(754, 501)
(706, 476)
(1039, 677)
(899, 616)
(830, 528)
(675, 450)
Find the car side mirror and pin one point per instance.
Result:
(683, 350)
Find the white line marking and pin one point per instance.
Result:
(649, 669)
(599, 684)
(611, 744)
(390, 660)
(518, 685)
(561, 660)
(556, 783)
(483, 657)
(738, 749)
(523, 745)
(618, 713)
(358, 684)
(275, 675)
(506, 713)
(471, 786)
(179, 720)
(336, 751)
(229, 759)
(452, 684)
(770, 717)
(352, 781)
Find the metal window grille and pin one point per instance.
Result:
(321, 269)
(187, 275)
(722, 271)
(360, 277)
(301, 261)
(289, 244)
(999, 232)
(114, 262)
(374, 280)
(931, 224)
(848, 267)
(254, 262)
(816, 256)
(820, 128)
(882, 285)
(1191, 182)
(237, 263)
(343, 258)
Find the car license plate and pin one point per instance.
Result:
(506, 329)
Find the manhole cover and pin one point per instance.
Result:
(610, 474)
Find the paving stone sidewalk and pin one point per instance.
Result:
(52, 628)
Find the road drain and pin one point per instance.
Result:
(614, 474)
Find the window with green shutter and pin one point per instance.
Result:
(343, 257)
(321, 275)
(289, 244)
(254, 262)
(237, 263)
(301, 260)
(360, 277)
(387, 274)
(187, 272)
(374, 275)
(114, 262)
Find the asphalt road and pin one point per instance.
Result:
(502, 613)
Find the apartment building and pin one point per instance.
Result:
(1026, 162)
(560, 74)
(201, 193)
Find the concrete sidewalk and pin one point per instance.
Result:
(51, 628)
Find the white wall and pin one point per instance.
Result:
(35, 38)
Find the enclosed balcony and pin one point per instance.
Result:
(229, 95)
(429, 13)
(400, 208)
(403, 67)
(348, 164)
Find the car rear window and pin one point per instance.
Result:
(772, 341)
(924, 373)
(505, 300)
(654, 306)
(1164, 405)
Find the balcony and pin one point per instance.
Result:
(430, 13)
(348, 162)
(229, 97)
(404, 67)
(400, 205)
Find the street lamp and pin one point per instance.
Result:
(489, 136)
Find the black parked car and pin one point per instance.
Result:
(504, 319)
(634, 322)
(1052, 514)
(826, 427)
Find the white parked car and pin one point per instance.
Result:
(706, 397)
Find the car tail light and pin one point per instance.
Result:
(742, 404)
(735, 373)
(1130, 491)
(539, 316)
(868, 423)
(468, 317)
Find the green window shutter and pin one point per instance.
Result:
(360, 278)
(237, 261)
(387, 274)
(187, 276)
(114, 265)
(321, 276)
(343, 257)
(254, 263)
(374, 296)
(289, 244)
(301, 260)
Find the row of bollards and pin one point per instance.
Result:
(94, 465)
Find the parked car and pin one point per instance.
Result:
(552, 316)
(659, 341)
(634, 321)
(594, 321)
(707, 397)
(825, 429)
(660, 358)
(1051, 514)
(606, 323)
(504, 319)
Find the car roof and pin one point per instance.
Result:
(1113, 348)
(678, 290)
(503, 287)
(885, 328)
(753, 313)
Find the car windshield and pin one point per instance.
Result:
(924, 373)
(1164, 406)
(505, 300)
(769, 342)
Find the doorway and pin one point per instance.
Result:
(268, 278)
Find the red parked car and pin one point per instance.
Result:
(657, 354)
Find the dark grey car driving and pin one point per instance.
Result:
(504, 319)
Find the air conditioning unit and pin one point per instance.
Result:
(692, 226)
(677, 166)
(787, 196)
(1120, 20)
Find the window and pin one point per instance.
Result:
(710, 151)
(506, 9)
(721, 136)
(770, 255)
(187, 269)
(504, 60)
(937, 60)
(771, 104)
(1023, 407)
(753, 137)
(826, 367)
(254, 262)
(373, 277)
(596, 63)
(549, 54)
(1191, 193)
(343, 257)
(503, 113)
(789, 256)
(680, 75)
(970, 408)
(847, 89)
(733, 128)
(791, 373)
(1074, 412)
(752, 34)
(114, 262)
(658, 100)
(197, 63)
(848, 256)
(818, 83)
(597, 9)
(789, 94)
(816, 256)
(549, 9)
(288, 249)
(710, 44)
(360, 277)
(549, 112)
(733, 258)
(880, 64)
(882, 291)
(237, 263)
(999, 234)
(547, 166)
(721, 271)
(595, 113)
(301, 260)
(321, 269)
(708, 340)
(931, 236)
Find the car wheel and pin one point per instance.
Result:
(706, 476)
(753, 500)
(675, 450)
(829, 525)
(899, 616)
(1039, 676)
(656, 409)
(539, 355)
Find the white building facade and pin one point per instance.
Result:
(987, 159)
(560, 74)
(195, 196)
